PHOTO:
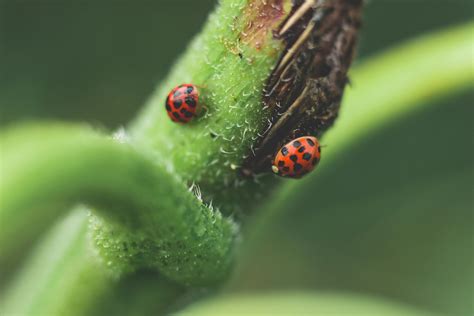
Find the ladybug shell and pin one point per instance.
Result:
(182, 103)
(298, 157)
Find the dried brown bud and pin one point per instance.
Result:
(305, 89)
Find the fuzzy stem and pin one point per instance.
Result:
(64, 276)
(230, 65)
(231, 62)
(156, 222)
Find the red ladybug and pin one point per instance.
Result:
(297, 158)
(182, 103)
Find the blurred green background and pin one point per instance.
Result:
(99, 60)
(392, 217)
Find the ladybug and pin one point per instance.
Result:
(182, 103)
(297, 158)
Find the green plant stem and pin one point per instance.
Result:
(230, 73)
(64, 276)
(60, 260)
(403, 79)
(155, 220)
(301, 303)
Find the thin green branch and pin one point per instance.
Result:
(301, 303)
(153, 220)
(404, 79)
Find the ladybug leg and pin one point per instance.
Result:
(204, 108)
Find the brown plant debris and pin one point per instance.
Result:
(305, 89)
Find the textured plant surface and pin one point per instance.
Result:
(165, 203)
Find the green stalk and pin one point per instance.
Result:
(404, 79)
(62, 259)
(64, 276)
(146, 216)
(155, 221)
(230, 69)
(301, 303)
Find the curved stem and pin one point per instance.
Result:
(301, 303)
(63, 276)
(60, 259)
(386, 87)
(401, 80)
(157, 222)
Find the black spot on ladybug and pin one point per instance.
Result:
(190, 101)
(189, 89)
(188, 114)
(281, 163)
(177, 93)
(168, 108)
(296, 143)
(301, 149)
(319, 149)
(286, 169)
(284, 151)
(294, 158)
(177, 103)
(176, 114)
(310, 142)
(315, 161)
(297, 167)
(307, 156)
(183, 110)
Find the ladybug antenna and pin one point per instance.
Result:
(201, 86)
